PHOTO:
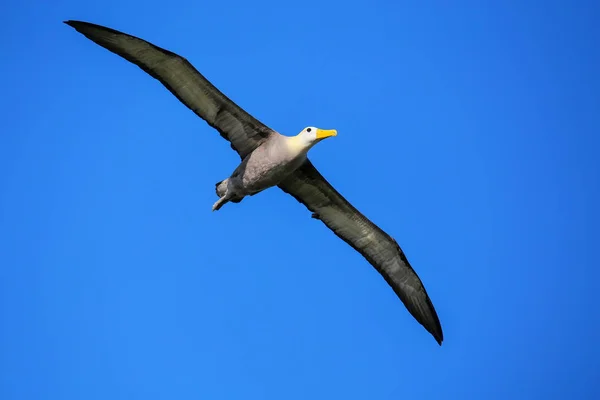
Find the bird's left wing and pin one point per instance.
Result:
(309, 187)
(241, 129)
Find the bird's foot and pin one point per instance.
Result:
(219, 203)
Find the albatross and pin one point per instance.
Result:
(270, 159)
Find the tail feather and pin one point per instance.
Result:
(221, 188)
(224, 197)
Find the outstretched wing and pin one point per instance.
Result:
(242, 130)
(309, 187)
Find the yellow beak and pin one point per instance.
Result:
(324, 133)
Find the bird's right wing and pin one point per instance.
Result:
(242, 130)
(310, 188)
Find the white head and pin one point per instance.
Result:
(311, 136)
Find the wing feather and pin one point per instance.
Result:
(241, 129)
(309, 187)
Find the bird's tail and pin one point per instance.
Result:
(224, 197)
(221, 187)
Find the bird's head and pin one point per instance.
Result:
(311, 136)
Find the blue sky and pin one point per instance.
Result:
(468, 132)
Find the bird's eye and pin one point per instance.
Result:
(308, 130)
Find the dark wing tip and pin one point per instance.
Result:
(76, 24)
(414, 296)
(435, 327)
(421, 308)
(82, 27)
(430, 320)
(439, 337)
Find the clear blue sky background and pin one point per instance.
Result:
(468, 131)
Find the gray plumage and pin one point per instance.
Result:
(270, 159)
(266, 166)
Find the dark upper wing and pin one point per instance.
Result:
(179, 76)
(309, 187)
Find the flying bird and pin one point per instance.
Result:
(270, 159)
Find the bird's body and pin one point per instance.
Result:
(269, 159)
(267, 165)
